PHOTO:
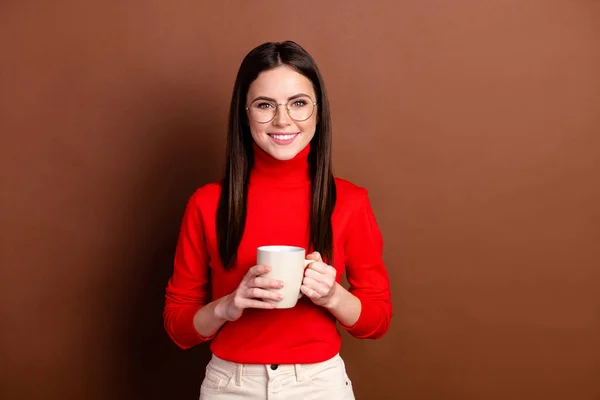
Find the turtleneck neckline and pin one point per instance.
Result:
(288, 172)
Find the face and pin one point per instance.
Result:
(283, 137)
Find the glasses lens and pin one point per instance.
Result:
(301, 108)
(262, 110)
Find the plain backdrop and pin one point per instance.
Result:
(473, 124)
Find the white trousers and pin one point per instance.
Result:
(327, 380)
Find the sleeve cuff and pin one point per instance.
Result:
(188, 335)
(367, 325)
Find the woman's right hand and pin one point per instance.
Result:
(251, 293)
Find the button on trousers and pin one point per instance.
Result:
(327, 380)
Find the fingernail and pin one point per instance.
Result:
(279, 297)
(280, 284)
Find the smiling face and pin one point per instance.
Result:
(283, 137)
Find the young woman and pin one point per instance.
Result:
(278, 189)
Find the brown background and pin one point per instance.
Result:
(474, 124)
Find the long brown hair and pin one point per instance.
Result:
(231, 211)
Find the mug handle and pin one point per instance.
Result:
(306, 262)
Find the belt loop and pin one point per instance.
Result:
(299, 372)
(238, 374)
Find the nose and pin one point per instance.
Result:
(282, 118)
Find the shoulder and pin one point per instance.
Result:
(206, 195)
(347, 189)
(348, 195)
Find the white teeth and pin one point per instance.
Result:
(283, 137)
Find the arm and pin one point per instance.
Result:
(366, 309)
(188, 290)
(320, 286)
(188, 316)
(366, 273)
(344, 306)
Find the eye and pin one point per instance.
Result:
(264, 105)
(299, 103)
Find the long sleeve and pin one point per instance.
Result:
(188, 288)
(366, 272)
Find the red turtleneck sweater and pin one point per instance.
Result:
(278, 214)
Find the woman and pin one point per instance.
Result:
(278, 189)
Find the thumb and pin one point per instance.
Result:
(315, 255)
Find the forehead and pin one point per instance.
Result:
(280, 83)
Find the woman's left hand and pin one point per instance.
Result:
(319, 283)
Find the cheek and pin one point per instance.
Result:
(256, 130)
(309, 127)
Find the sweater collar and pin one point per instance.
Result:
(286, 172)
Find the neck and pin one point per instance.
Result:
(288, 172)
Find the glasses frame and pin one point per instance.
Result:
(314, 104)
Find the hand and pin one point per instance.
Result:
(319, 283)
(251, 293)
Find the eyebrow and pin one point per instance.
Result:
(288, 99)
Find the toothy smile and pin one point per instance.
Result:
(283, 139)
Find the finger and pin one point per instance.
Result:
(321, 268)
(316, 286)
(266, 283)
(257, 293)
(250, 303)
(257, 270)
(323, 279)
(308, 292)
(316, 275)
(315, 255)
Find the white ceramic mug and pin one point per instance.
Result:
(287, 264)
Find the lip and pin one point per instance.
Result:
(283, 142)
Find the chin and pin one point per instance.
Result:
(283, 154)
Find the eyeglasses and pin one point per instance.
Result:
(299, 109)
